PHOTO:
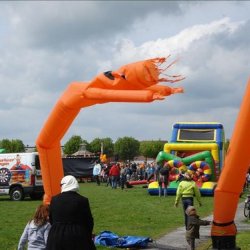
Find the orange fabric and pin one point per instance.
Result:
(237, 160)
(230, 230)
(134, 82)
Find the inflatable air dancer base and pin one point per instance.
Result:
(229, 187)
(136, 82)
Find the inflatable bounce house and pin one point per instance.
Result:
(197, 148)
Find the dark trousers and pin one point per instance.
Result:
(191, 243)
(122, 181)
(96, 177)
(187, 201)
(114, 181)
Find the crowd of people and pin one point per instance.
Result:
(67, 223)
(118, 174)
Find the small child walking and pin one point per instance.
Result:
(36, 230)
(193, 226)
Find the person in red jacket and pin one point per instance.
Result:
(114, 173)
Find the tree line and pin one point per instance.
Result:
(125, 148)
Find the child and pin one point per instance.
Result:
(36, 231)
(193, 226)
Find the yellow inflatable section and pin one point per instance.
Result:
(213, 147)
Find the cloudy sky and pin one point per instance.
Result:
(46, 45)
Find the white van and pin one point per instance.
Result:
(20, 175)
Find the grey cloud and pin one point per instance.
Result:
(218, 72)
(59, 25)
(216, 83)
(60, 46)
(237, 39)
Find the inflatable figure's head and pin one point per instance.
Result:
(135, 76)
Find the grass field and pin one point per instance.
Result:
(124, 212)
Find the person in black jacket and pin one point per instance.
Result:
(71, 219)
(163, 176)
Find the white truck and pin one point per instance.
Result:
(20, 176)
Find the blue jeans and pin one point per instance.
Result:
(122, 181)
(163, 179)
(187, 201)
(114, 181)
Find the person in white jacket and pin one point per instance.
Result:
(36, 231)
(97, 172)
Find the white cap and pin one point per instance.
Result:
(69, 183)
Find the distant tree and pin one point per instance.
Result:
(12, 146)
(126, 148)
(6, 144)
(73, 144)
(108, 146)
(95, 146)
(17, 146)
(150, 149)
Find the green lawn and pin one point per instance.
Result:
(124, 212)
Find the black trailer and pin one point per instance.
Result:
(79, 167)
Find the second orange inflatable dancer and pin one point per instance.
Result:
(134, 82)
(230, 185)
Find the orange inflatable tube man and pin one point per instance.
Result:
(231, 180)
(136, 82)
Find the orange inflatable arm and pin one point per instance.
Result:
(230, 186)
(136, 82)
